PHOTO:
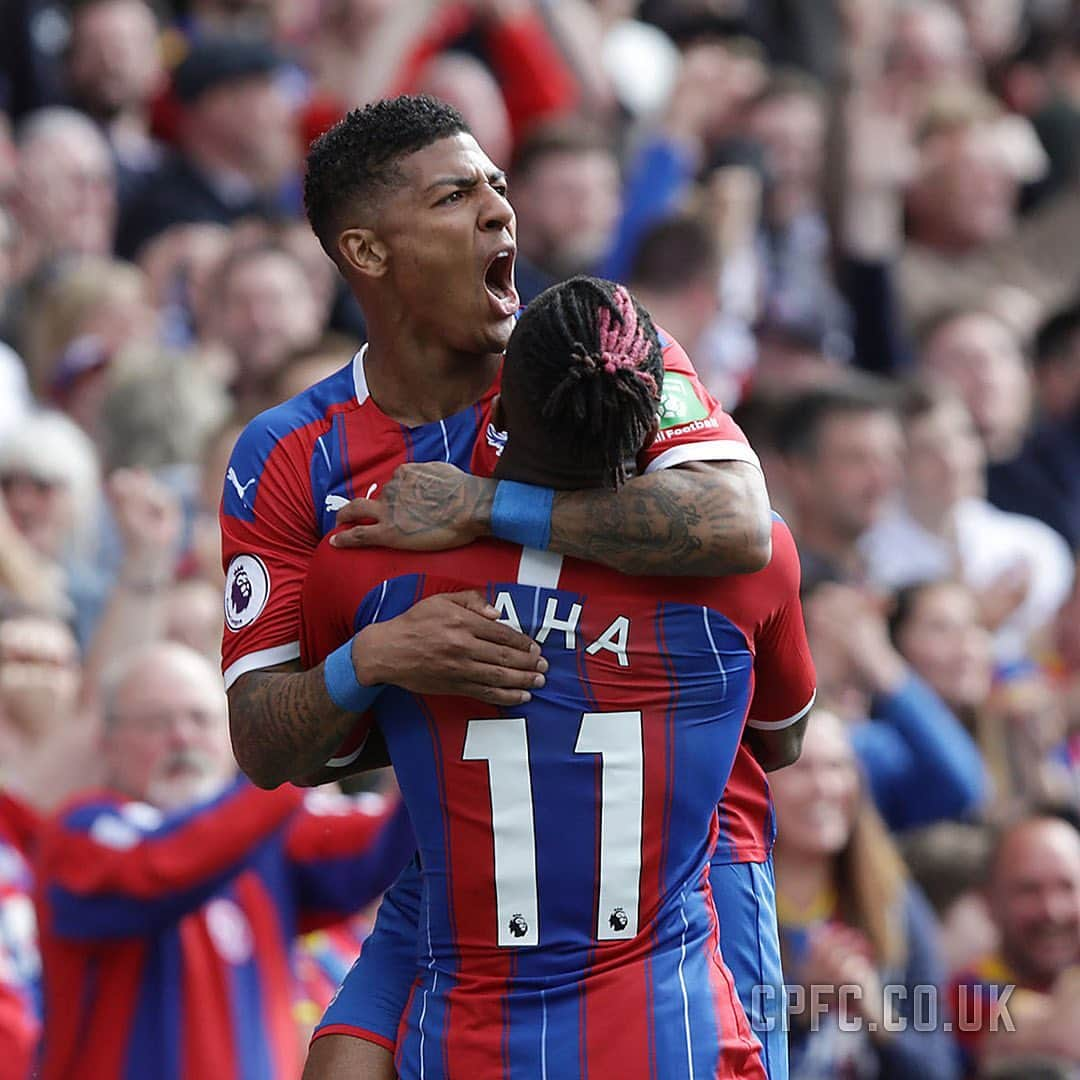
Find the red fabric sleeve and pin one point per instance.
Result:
(693, 424)
(784, 677)
(152, 863)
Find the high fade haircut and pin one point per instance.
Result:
(588, 351)
(360, 156)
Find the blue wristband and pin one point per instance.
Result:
(522, 513)
(342, 684)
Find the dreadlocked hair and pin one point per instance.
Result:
(589, 351)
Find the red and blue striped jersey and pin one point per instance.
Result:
(567, 926)
(296, 465)
(166, 938)
(20, 958)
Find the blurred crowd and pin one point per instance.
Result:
(860, 217)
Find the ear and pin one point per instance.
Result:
(362, 251)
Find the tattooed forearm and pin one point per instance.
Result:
(698, 519)
(284, 724)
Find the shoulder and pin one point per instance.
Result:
(288, 427)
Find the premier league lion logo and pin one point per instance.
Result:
(240, 594)
(247, 586)
(618, 921)
(518, 926)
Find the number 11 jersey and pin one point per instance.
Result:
(567, 926)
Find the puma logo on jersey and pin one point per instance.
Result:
(241, 489)
(335, 502)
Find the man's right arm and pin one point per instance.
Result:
(283, 723)
(285, 726)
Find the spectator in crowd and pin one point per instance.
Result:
(1043, 479)
(921, 766)
(265, 310)
(945, 525)
(849, 917)
(1033, 890)
(841, 451)
(46, 749)
(74, 325)
(567, 200)
(238, 147)
(169, 899)
(114, 69)
(967, 245)
(64, 202)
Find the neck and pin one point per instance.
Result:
(539, 466)
(416, 382)
(804, 877)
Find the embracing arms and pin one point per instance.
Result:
(697, 519)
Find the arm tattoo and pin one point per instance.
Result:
(702, 521)
(284, 724)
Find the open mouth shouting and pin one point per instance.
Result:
(499, 281)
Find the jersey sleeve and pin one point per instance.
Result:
(123, 870)
(693, 424)
(345, 852)
(784, 678)
(268, 535)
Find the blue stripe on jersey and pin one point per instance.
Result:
(246, 1007)
(156, 1036)
(269, 428)
(331, 475)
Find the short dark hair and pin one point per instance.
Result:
(673, 252)
(587, 353)
(361, 154)
(1057, 335)
(800, 421)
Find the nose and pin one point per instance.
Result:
(497, 213)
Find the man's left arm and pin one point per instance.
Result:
(699, 518)
(698, 507)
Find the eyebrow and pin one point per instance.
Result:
(464, 182)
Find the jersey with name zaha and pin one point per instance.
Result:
(567, 924)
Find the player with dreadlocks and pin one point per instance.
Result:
(564, 845)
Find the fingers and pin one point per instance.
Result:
(358, 511)
(489, 630)
(359, 536)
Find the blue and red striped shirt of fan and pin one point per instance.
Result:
(166, 938)
(565, 845)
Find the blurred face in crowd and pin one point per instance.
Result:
(791, 130)
(946, 644)
(267, 312)
(1034, 896)
(114, 63)
(945, 459)
(39, 508)
(844, 484)
(448, 237)
(965, 194)
(568, 204)
(816, 799)
(930, 44)
(39, 674)
(166, 739)
(67, 191)
(464, 82)
(980, 358)
(993, 26)
(250, 124)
